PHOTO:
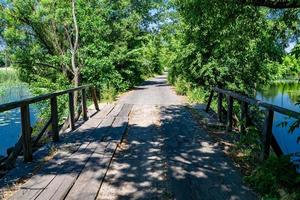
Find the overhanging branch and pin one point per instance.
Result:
(276, 4)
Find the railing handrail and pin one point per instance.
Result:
(31, 100)
(268, 138)
(26, 137)
(259, 103)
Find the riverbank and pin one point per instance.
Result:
(275, 178)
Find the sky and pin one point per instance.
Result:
(290, 47)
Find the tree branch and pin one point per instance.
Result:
(275, 4)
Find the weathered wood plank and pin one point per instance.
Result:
(71, 111)
(267, 132)
(84, 107)
(66, 176)
(94, 97)
(88, 183)
(244, 116)
(229, 113)
(26, 133)
(117, 109)
(125, 111)
(220, 97)
(16, 104)
(34, 186)
(54, 119)
(209, 101)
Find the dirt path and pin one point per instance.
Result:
(166, 155)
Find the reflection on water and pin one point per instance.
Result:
(10, 122)
(284, 94)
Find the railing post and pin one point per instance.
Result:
(267, 133)
(54, 119)
(26, 133)
(229, 113)
(94, 97)
(84, 107)
(244, 116)
(209, 101)
(220, 97)
(71, 110)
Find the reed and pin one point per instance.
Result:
(8, 75)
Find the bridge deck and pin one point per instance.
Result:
(79, 175)
(148, 146)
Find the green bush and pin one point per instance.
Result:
(276, 178)
(196, 95)
(8, 75)
(109, 93)
(181, 86)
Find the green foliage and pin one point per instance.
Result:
(181, 86)
(197, 95)
(108, 93)
(276, 178)
(8, 75)
(227, 44)
(116, 46)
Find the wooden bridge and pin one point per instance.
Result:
(146, 146)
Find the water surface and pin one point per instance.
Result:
(10, 121)
(286, 95)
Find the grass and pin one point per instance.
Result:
(194, 94)
(8, 75)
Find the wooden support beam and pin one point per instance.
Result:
(220, 97)
(209, 101)
(26, 133)
(41, 133)
(54, 119)
(71, 110)
(229, 113)
(84, 107)
(94, 97)
(267, 133)
(244, 116)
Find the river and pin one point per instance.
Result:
(10, 126)
(284, 94)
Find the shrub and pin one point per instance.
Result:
(276, 178)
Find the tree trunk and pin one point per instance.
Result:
(76, 70)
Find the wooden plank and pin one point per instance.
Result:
(267, 133)
(41, 133)
(88, 183)
(252, 101)
(117, 109)
(244, 116)
(125, 111)
(34, 186)
(275, 146)
(209, 101)
(66, 176)
(26, 133)
(118, 129)
(16, 104)
(229, 113)
(54, 119)
(71, 110)
(84, 107)
(94, 97)
(220, 97)
(62, 183)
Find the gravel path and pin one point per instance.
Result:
(166, 155)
